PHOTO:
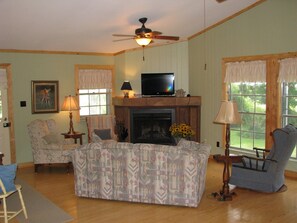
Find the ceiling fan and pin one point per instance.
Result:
(144, 36)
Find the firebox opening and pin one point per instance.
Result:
(151, 125)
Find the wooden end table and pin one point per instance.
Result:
(75, 136)
(1, 157)
(225, 194)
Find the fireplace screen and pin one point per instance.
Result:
(151, 125)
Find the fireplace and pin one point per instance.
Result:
(183, 110)
(151, 125)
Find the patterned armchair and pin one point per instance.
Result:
(101, 127)
(48, 146)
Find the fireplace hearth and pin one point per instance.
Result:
(151, 125)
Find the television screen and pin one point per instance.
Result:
(157, 84)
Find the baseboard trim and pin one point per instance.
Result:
(25, 165)
(288, 173)
(291, 174)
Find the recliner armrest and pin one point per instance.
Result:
(253, 163)
(262, 150)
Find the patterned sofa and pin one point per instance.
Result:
(147, 173)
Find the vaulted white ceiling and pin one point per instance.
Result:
(88, 25)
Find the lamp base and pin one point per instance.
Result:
(71, 132)
(126, 94)
(221, 196)
(71, 129)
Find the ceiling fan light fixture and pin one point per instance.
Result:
(143, 41)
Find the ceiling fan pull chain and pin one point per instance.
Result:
(142, 53)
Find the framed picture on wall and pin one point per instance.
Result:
(45, 96)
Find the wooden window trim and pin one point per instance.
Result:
(98, 67)
(273, 90)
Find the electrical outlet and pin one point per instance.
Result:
(218, 144)
(6, 124)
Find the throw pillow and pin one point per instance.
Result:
(104, 134)
(52, 138)
(7, 176)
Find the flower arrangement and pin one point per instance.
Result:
(181, 131)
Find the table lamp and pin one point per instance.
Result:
(126, 87)
(70, 104)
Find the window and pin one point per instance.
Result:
(1, 105)
(94, 88)
(251, 101)
(246, 86)
(94, 101)
(266, 98)
(288, 79)
(289, 103)
(289, 107)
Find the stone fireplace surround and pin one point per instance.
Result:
(184, 110)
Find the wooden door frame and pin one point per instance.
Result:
(10, 112)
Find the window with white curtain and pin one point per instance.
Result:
(265, 88)
(247, 86)
(288, 80)
(95, 91)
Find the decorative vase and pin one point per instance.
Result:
(176, 139)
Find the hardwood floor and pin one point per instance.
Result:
(247, 206)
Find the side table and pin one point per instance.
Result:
(75, 136)
(225, 194)
(1, 157)
(233, 158)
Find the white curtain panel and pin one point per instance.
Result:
(288, 70)
(95, 79)
(250, 71)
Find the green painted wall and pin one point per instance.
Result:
(269, 28)
(166, 58)
(28, 67)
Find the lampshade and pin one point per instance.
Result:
(126, 86)
(143, 41)
(70, 104)
(228, 113)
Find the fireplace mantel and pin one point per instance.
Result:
(157, 101)
(187, 109)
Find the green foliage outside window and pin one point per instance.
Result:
(251, 101)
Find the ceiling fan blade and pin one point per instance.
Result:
(123, 35)
(144, 32)
(220, 1)
(117, 40)
(166, 37)
(156, 33)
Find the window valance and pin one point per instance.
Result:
(251, 71)
(3, 79)
(288, 70)
(95, 79)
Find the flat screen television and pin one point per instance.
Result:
(157, 84)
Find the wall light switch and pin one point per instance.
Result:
(23, 103)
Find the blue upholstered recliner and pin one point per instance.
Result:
(266, 174)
